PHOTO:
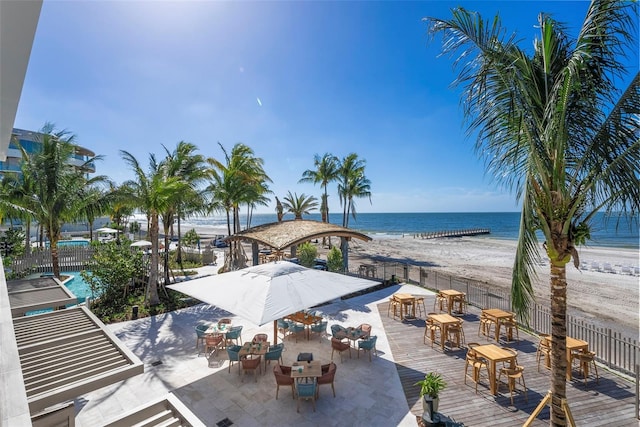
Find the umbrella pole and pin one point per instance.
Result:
(275, 332)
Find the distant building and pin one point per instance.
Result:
(31, 142)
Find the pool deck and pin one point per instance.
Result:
(377, 393)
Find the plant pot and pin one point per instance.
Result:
(429, 407)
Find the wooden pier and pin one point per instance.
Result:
(453, 233)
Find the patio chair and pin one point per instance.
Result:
(306, 391)
(234, 356)
(201, 330)
(225, 320)
(484, 327)
(431, 330)
(320, 328)
(212, 344)
(283, 378)
(260, 338)
(422, 309)
(338, 331)
(249, 365)
(234, 335)
(515, 374)
(366, 330)
(544, 349)
(461, 302)
(455, 334)
(476, 363)
(340, 347)
(585, 358)
(328, 377)
(296, 329)
(511, 325)
(395, 305)
(368, 345)
(283, 327)
(274, 353)
(440, 302)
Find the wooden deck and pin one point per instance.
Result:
(610, 403)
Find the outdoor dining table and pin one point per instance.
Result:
(444, 320)
(306, 319)
(258, 348)
(498, 316)
(574, 344)
(311, 369)
(219, 328)
(451, 295)
(406, 301)
(494, 354)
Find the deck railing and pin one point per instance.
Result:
(616, 351)
(70, 258)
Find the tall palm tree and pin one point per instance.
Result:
(60, 190)
(352, 184)
(554, 128)
(15, 192)
(299, 205)
(239, 179)
(183, 163)
(327, 170)
(153, 192)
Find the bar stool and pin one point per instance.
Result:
(420, 304)
(585, 358)
(440, 301)
(509, 326)
(430, 331)
(544, 349)
(393, 304)
(484, 327)
(456, 333)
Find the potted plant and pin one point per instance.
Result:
(430, 388)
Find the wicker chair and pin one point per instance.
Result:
(249, 365)
(233, 352)
(340, 347)
(274, 353)
(328, 377)
(366, 330)
(283, 378)
(368, 345)
(260, 338)
(201, 333)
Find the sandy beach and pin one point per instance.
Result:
(607, 299)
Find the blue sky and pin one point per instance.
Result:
(288, 79)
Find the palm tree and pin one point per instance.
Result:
(60, 190)
(299, 205)
(352, 184)
(326, 171)
(183, 164)
(239, 180)
(16, 190)
(555, 129)
(153, 192)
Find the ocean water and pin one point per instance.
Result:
(606, 231)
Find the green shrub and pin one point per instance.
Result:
(307, 254)
(334, 260)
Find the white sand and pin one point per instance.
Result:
(610, 300)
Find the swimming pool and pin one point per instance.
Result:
(74, 242)
(75, 284)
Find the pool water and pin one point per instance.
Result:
(77, 285)
(75, 242)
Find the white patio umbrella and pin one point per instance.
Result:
(267, 292)
(106, 230)
(141, 243)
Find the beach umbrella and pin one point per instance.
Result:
(141, 243)
(106, 230)
(267, 292)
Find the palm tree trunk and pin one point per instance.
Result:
(179, 255)
(166, 229)
(27, 243)
(55, 260)
(153, 271)
(558, 344)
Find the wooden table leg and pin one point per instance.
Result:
(492, 378)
